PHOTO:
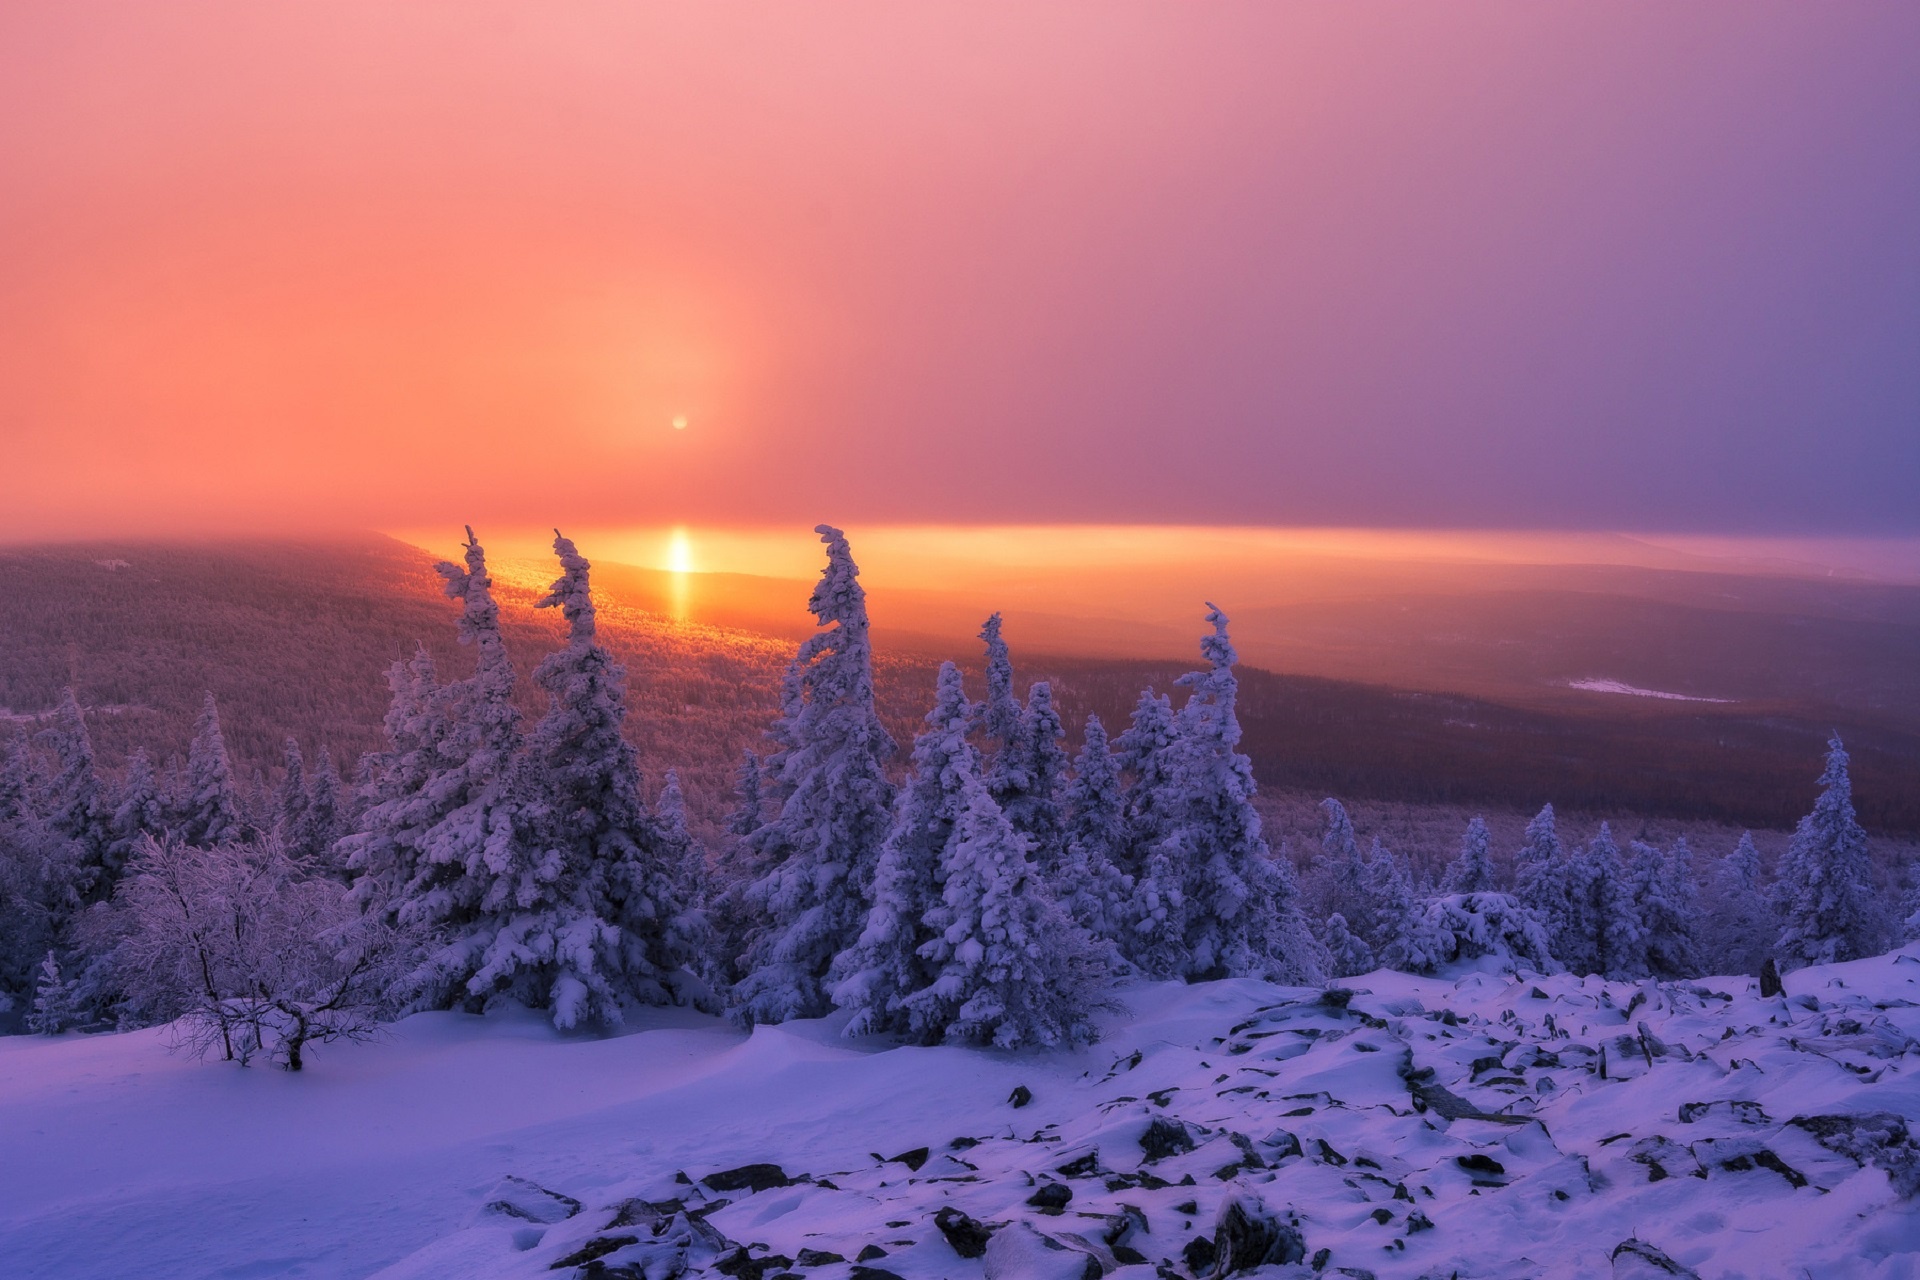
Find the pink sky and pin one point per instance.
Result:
(1592, 266)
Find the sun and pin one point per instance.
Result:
(679, 552)
(680, 422)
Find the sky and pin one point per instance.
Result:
(1632, 266)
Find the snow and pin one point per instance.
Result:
(398, 1158)
(1596, 685)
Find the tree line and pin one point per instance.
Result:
(989, 894)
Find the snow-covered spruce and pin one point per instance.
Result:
(1740, 926)
(209, 811)
(1240, 910)
(828, 776)
(1459, 928)
(1337, 879)
(887, 964)
(1823, 894)
(1472, 870)
(1012, 969)
(1090, 886)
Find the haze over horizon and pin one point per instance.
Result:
(1495, 266)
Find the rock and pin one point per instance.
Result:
(869, 1253)
(530, 1202)
(1053, 1196)
(1085, 1167)
(748, 1177)
(1247, 1235)
(817, 1258)
(1880, 1138)
(593, 1249)
(1741, 1112)
(874, 1273)
(1478, 1163)
(1018, 1252)
(912, 1159)
(1638, 1260)
(1769, 986)
(1198, 1255)
(968, 1236)
(1020, 1096)
(644, 1213)
(1163, 1138)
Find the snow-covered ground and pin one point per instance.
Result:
(1480, 1127)
(1596, 685)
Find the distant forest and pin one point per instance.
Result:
(295, 637)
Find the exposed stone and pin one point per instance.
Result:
(1247, 1235)
(748, 1177)
(968, 1236)
(1638, 1260)
(1163, 1138)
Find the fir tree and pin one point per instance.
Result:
(1393, 906)
(829, 779)
(1338, 877)
(583, 908)
(1000, 713)
(1824, 893)
(1092, 889)
(210, 807)
(396, 808)
(54, 1006)
(290, 797)
(319, 823)
(137, 811)
(875, 976)
(1146, 758)
(1243, 913)
(749, 809)
(1029, 773)
(1347, 955)
(1540, 873)
(1668, 904)
(1740, 926)
(16, 779)
(71, 804)
(1013, 970)
(1604, 932)
(1472, 870)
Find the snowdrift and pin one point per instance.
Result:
(1479, 1126)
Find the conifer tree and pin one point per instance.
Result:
(1604, 931)
(749, 809)
(210, 807)
(72, 806)
(1392, 905)
(1029, 773)
(582, 909)
(829, 779)
(1092, 889)
(54, 1006)
(1347, 955)
(319, 822)
(1243, 912)
(1000, 713)
(1338, 877)
(16, 779)
(290, 797)
(887, 964)
(1540, 873)
(1146, 758)
(1668, 904)
(396, 808)
(137, 811)
(1472, 870)
(1740, 926)
(1823, 893)
(1013, 969)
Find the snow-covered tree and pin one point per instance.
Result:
(888, 963)
(1027, 777)
(319, 826)
(828, 774)
(290, 796)
(749, 808)
(1823, 892)
(1091, 887)
(1145, 756)
(210, 807)
(583, 908)
(1000, 713)
(16, 779)
(1347, 954)
(1338, 878)
(396, 807)
(1603, 934)
(1012, 968)
(54, 1006)
(1667, 901)
(1243, 913)
(1473, 927)
(137, 811)
(1390, 903)
(1472, 870)
(1740, 923)
(1541, 883)
(71, 803)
